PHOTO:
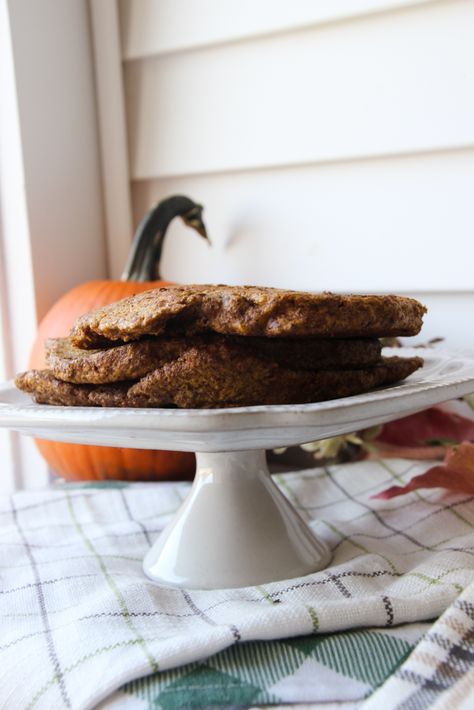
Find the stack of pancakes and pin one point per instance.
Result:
(224, 346)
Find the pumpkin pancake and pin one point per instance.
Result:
(114, 364)
(132, 360)
(47, 389)
(209, 377)
(247, 311)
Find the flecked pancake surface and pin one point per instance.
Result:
(132, 360)
(207, 378)
(47, 389)
(247, 311)
(114, 364)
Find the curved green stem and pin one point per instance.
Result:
(144, 260)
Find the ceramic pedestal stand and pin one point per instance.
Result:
(234, 529)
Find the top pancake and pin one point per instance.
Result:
(247, 311)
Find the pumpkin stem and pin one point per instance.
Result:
(144, 258)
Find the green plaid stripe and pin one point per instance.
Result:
(122, 604)
(263, 673)
(74, 601)
(46, 630)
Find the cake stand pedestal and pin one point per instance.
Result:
(236, 528)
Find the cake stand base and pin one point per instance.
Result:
(234, 529)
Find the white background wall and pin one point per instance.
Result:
(51, 211)
(331, 142)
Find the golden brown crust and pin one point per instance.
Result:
(135, 359)
(247, 311)
(207, 377)
(46, 389)
(113, 364)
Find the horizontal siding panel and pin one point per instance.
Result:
(405, 224)
(160, 26)
(389, 84)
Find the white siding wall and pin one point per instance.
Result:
(331, 142)
(51, 216)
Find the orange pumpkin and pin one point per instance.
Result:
(82, 462)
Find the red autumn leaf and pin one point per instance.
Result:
(455, 474)
(434, 424)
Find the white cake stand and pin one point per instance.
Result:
(236, 528)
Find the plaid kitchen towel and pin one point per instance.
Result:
(316, 668)
(439, 674)
(79, 620)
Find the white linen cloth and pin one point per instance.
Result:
(79, 619)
